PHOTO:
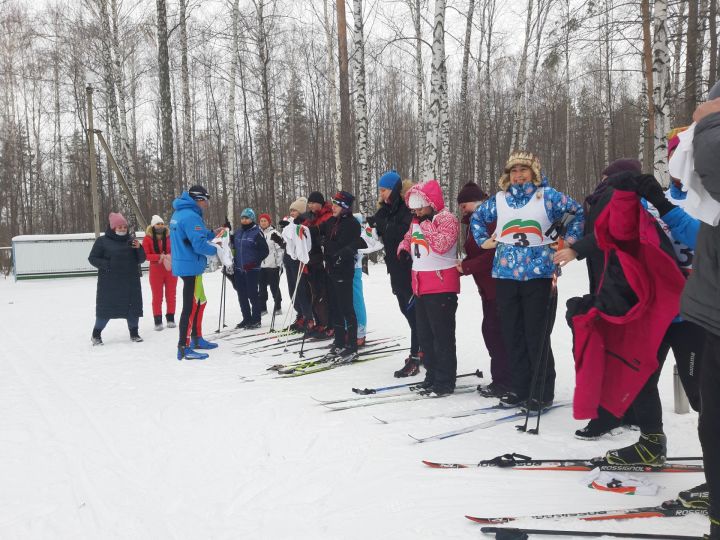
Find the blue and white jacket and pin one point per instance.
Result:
(525, 263)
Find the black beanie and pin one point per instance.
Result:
(316, 197)
(471, 192)
(623, 165)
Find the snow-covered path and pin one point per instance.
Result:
(123, 441)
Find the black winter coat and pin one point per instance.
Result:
(119, 294)
(392, 221)
(341, 237)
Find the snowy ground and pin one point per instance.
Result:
(123, 441)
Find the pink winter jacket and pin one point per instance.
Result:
(615, 355)
(441, 233)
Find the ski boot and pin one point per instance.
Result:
(188, 354)
(170, 320)
(714, 530)
(242, 324)
(423, 386)
(346, 356)
(332, 355)
(360, 342)
(492, 390)
(158, 322)
(298, 325)
(410, 369)
(438, 390)
(201, 343)
(650, 450)
(697, 497)
(252, 325)
(277, 310)
(134, 336)
(597, 427)
(534, 405)
(511, 399)
(96, 339)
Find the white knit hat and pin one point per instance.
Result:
(416, 201)
(155, 220)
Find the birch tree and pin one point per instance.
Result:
(188, 150)
(167, 160)
(361, 117)
(661, 91)
(234, 52)
(691, 57)
(344, 88)
(519, 93)
(463, 165)
(332, 92)
(433, 141)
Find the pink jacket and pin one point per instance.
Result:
(615, 355)
(441, 233)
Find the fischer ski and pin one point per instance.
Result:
(368, 391)
(304, 363)
(326, 366)
(520, 462)
(484, 425)
(368, 401)
(671, 508)
(459, 414)
(522, 533)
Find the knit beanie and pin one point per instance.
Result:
(265, 216)
(116, 220)
(198, 193)
(248, 213)
(316, 197)
(389, 180)
(300, 205)
(344, 200)
(623, 165)
(155, 220)
(471, 192)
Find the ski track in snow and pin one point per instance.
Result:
(123, 441)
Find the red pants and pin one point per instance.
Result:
(159, 278)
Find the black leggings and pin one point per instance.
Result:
(344, 320)
(709, 425)
(193, 306)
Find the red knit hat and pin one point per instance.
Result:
(265, 216)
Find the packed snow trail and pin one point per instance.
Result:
(123, 441)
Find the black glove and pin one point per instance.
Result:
(404, 257)
(651, 190)
(284, 223)
(275, 237)
(624, 181)
(300, 219)
(227, 224)
(371, 221)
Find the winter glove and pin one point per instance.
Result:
(284, 223)
(424, 218)
(651, 190)
(404, 257)
(275, 237)
(300, 219)
(624, 181)
(371, 221)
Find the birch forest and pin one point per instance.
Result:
(263, 101)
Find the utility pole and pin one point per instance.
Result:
(93, 165)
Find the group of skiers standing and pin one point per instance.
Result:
(645, 253)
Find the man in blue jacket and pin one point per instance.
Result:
(190, 239)
(250, 250)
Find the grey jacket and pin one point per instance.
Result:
(701, 299)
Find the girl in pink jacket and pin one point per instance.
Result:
(431, 244)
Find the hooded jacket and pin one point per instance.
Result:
(392, 221)
(190, 238)
(276, 252)
(119, 293)
(700, 299)
(440, 236)
(611, 363)
(251, 249)
(313, 222)
(154, 247)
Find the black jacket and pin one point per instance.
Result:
(392, 221)
(341, 237)
(119, 295)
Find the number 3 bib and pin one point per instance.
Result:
(524, 226)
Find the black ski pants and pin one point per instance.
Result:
(270, 277)
(402, 289)
(302, 304)
(687, 342)
(709, 425)
(344, 319)
(435, 318)
(190, 324)
(527, 315)
(319, 283)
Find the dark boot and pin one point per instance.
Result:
(170, 318)
(650, 450)
(597, 427)
(697, 497)
(158, 322)
(410, 369)
(134, 336)
(96, 339)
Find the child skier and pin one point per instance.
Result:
(431, 244)
(271, 266)
(369, 235)
(525, 208)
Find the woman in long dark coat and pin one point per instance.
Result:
(118, 257)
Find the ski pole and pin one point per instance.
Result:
(545, 356)
(292, 300)
(222, 299)
(509, 533)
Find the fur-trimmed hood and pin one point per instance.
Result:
(521, 157)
